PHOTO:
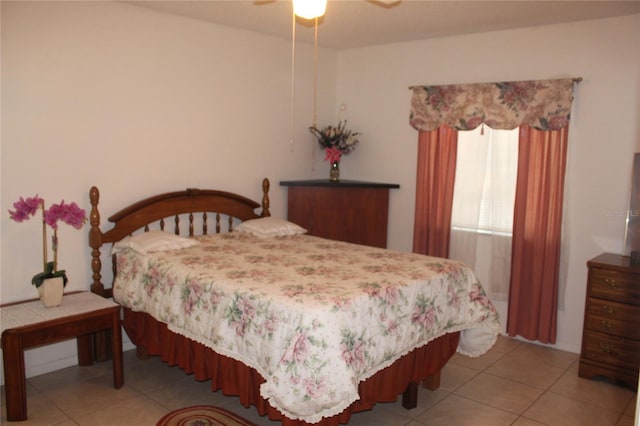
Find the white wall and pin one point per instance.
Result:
(603, 136)
(137, 102)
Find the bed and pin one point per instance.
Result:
(307, 330)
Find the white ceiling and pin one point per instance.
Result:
(357, 23)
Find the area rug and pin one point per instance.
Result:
(203, 415)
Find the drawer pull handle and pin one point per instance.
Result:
(608, 349)
(610, 310)
(607, 325)
(610, 283)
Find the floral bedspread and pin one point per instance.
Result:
(313, 316)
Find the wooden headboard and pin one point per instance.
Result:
(169, 207)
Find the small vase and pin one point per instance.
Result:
(334, 172)
(51, 291)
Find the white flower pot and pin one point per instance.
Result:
(51, 291)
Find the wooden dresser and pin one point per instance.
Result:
(611, 330)
(352, 211)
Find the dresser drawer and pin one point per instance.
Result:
(615, 285)
(610, 350)
(613, 318)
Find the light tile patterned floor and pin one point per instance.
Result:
(516, 383)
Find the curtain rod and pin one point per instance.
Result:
(575, 80)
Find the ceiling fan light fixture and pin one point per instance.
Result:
(309, 9)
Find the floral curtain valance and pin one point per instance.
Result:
(541, 104)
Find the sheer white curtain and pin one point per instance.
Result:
(483, 199)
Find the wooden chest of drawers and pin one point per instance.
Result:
(611, 330)
(351, 211)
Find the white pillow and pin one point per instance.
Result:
(148, 242)
(269, 227)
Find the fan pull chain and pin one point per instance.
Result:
(315, 92)
(315, 74)
(293, 79)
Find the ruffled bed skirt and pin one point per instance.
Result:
(235, 378)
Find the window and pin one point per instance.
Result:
(483, 201)
(485, 182)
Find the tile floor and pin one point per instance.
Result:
(515, 383)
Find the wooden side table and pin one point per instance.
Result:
(30, 324)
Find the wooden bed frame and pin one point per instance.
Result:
(235, 378)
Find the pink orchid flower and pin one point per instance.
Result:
(70, 214)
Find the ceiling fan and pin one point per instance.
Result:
(311, 9)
